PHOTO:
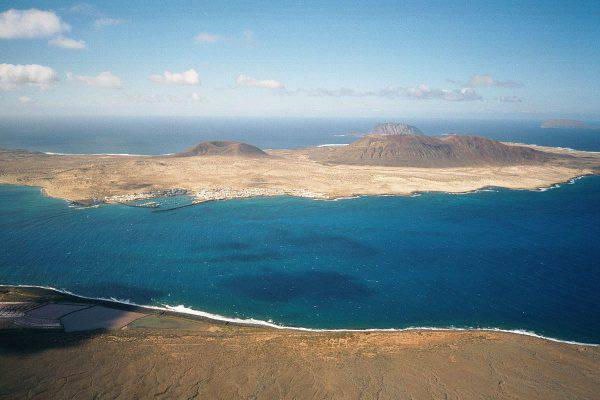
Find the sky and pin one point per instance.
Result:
(494, 59)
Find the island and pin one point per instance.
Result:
(55, 345)
(566, 124)
(391, 160)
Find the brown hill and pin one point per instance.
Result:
(392, 128)
(223, 148)
(427, 151)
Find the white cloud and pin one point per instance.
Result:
(105, 21)
(24, 99)
(510, 99)
(105, 80)
(100, 20)
(189, 77)
(155, 99)
(204, 37)
(85, 9)
(161, 98)
(245, 80)
(32, 23)
(146, 98)
(68, 43)
(462, 94)
(418, 92)
(249, 38)
(424, 92)
(486, 80)
(13, 76)
(341, 92)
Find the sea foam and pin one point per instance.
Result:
(183, 310)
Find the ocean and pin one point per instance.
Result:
(507, 259)
(162, 135)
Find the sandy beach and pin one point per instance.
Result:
(119, 178)
(163, 355)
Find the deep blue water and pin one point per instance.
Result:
(159, 135)
(507, 259)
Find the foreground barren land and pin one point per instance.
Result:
(118, 178)
(162, 355)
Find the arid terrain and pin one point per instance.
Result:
(168, 356)
(566, 123)
(222, 170)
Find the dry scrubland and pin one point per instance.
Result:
(207, 360)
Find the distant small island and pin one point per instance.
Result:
(566, 123)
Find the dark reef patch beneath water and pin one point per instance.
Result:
(316, 286)
(507, 259)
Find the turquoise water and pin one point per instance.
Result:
(507, 259)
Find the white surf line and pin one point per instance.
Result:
(417, 193)
(106, 154)
(332, 144)
(495, 189)
(557, 185)
(568, 149)
(183, 310)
